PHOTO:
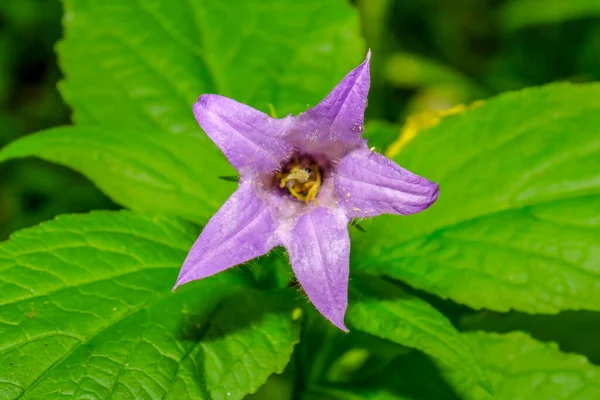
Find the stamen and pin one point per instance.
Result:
(302, 177)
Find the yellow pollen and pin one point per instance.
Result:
(302, 178)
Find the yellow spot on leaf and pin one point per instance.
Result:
(427, 119)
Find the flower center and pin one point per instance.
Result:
(301, 177)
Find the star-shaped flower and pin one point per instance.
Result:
(302, 179)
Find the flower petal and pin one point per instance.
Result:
(369, 184)
(340, 116)
(250, 139)
(319, 250)
(240, 231)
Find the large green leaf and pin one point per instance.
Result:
(516, 224)
(88, 312)
(518, 14)
(141, 64)
(383, 309)
(142, 170)
(522, 368)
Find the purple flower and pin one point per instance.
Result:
(302, 179)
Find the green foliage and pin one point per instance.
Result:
(86, 307)
(87, 311)
(278, 52)
(140, 170)
(520, 367)
(95, 291)
(516, 225)
(519, 14)
(384, 310)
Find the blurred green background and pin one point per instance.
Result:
(32, 191)
(428, 54)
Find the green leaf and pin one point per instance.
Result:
(251, 336)
(516, 224)
(142, 64)
(145, 171)
(522, 368)
(519, 14)
(383, 309)
(87, 311)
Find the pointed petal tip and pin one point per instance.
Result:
(204, 102)
(339, 117)
(181, 280)
(333, 315)
(389, 188)
(434, 194)
(319, 251)
(365, 65)
(210, 102)
(338, 321)
(203, 98)
(199, 106)
(336, 317)
(186, 277)
(342, 326)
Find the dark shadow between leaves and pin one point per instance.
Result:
(244, 310)
(411, 376)
(574, 331)
(369, 286)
